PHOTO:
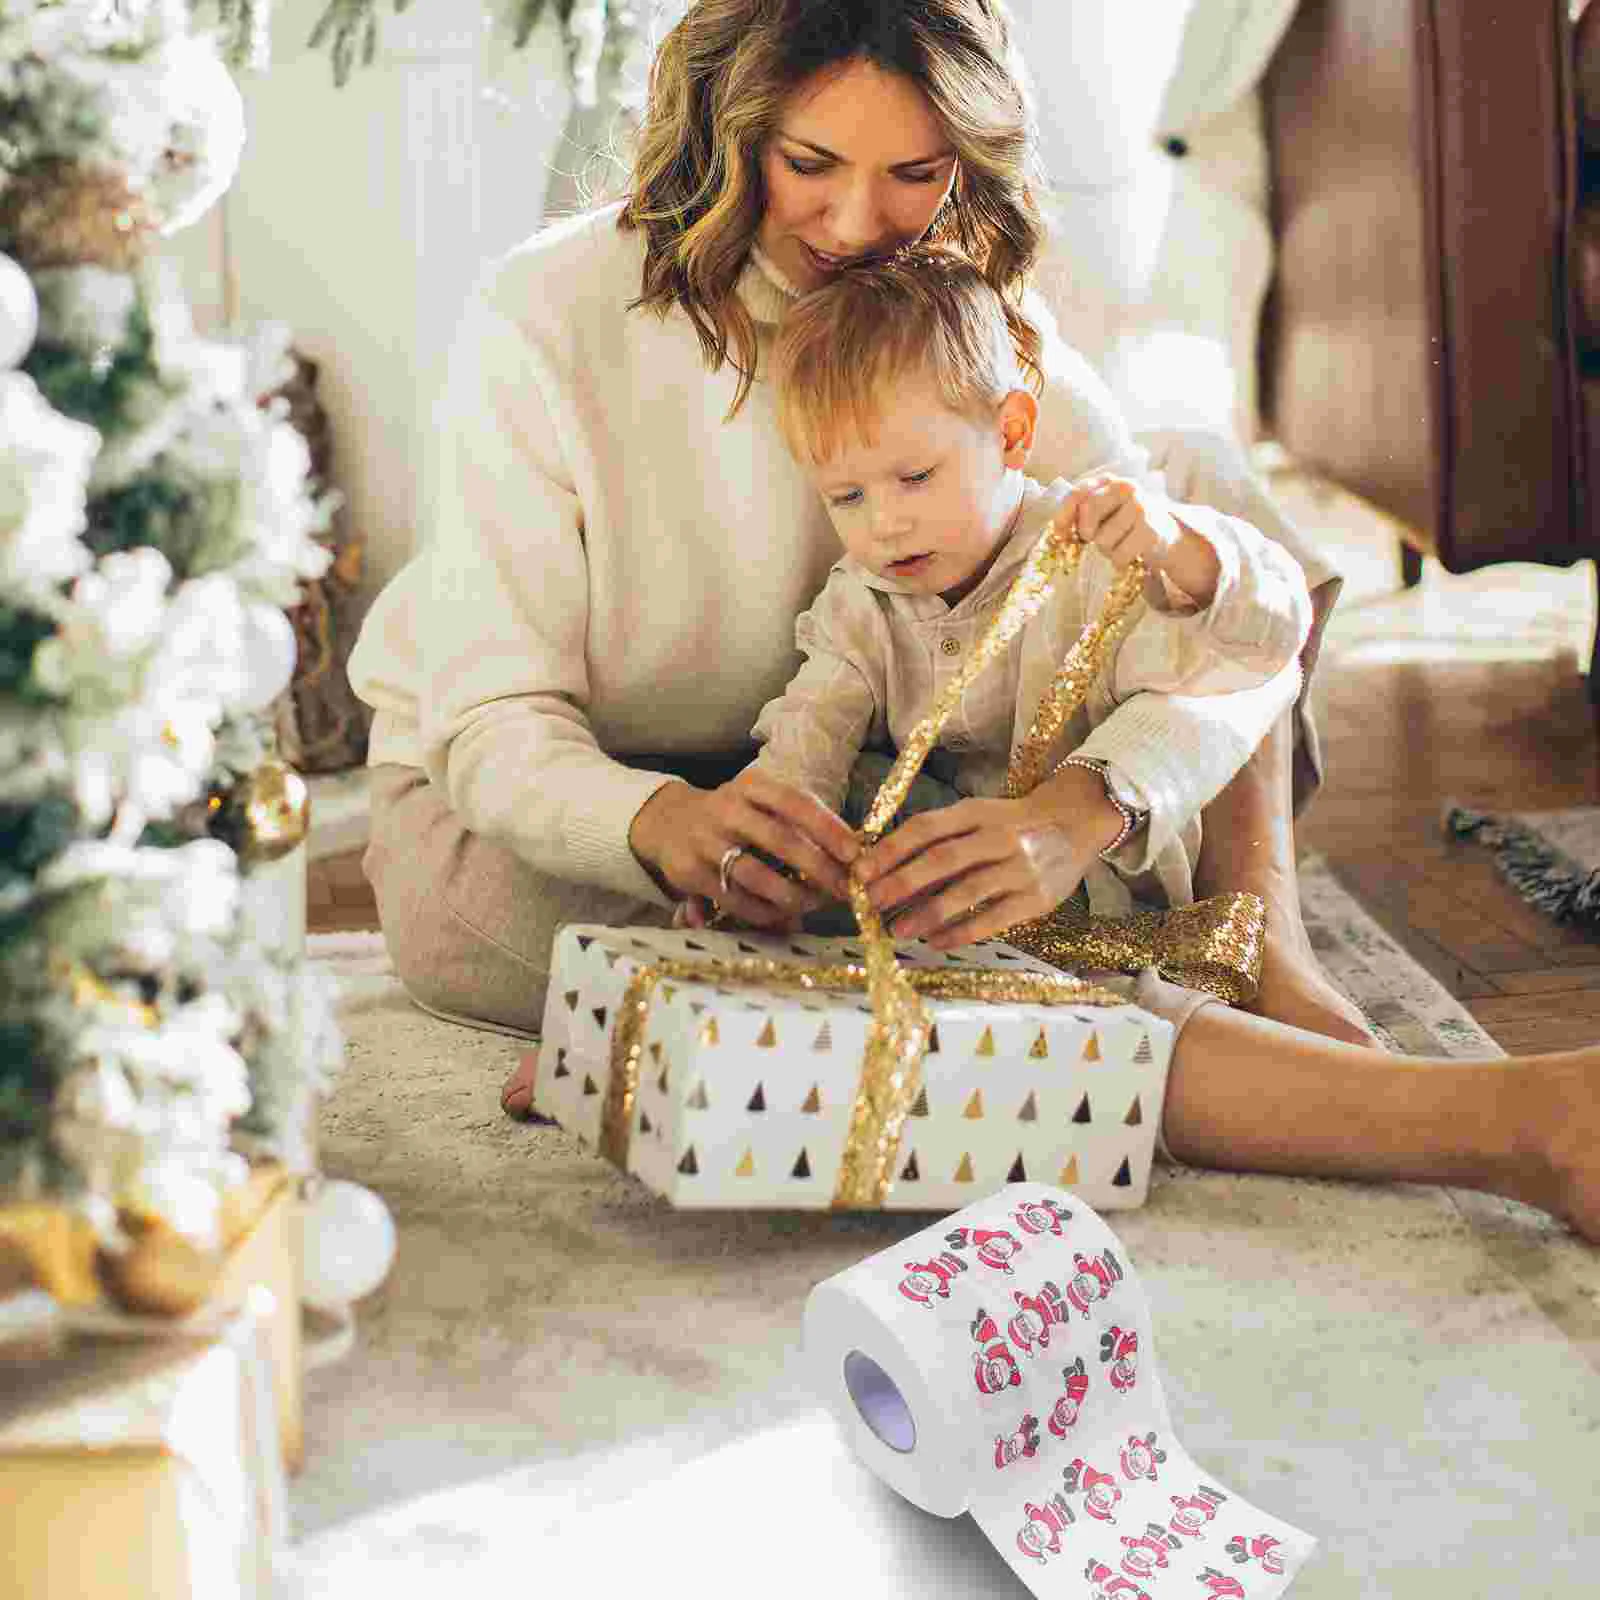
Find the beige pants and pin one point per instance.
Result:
(469, 924)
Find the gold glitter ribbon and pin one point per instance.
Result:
(1055, 556)
(1074, 678)
(1214, 945)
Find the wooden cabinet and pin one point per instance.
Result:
(1419, 344)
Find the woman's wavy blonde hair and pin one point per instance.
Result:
(717, 88)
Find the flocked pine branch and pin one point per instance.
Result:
(243, 29)
(351, 26)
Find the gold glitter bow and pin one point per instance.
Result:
(1214, 945)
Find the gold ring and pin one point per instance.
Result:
(725, 866)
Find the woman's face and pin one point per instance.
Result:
(858, 166)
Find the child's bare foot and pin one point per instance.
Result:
(1557, 1163)
(516, 1096)
(1295, 990)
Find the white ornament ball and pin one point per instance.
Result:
(19, 314)
(347, 1243)
(268, 653)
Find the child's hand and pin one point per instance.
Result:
(1119, 520)
(1126, 523)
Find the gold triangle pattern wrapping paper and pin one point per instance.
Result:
(992, 1097)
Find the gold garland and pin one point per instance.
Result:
(1215, 944)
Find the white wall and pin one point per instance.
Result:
(360, 215)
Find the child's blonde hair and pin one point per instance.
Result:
(924, 312)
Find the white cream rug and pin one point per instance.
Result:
(1411, 1373)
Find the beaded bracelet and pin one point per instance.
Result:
(1132, 820)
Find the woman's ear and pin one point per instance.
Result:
(1018, 419)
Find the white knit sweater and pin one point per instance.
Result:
(614, 568)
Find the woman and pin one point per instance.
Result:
(608, 594)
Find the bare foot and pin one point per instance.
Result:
(1295, 990)
(516, 1096)
(1558, 1160)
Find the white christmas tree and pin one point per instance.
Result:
(155, 520)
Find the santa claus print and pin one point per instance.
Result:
(1193, 1513)
(993, 1366)
(1220, 1583)
(1120, 1349)
(926, 1281)
(1042, 1216)
(1092, 1279)
(1140, 1457)
(1101, 1492)
(1018, 1446)
(993, 1247)
(1106, 1584)
(1263, 1548)
(1039, 1538)
(1036, 1315)
(1066, 1409)
(1143, 1555)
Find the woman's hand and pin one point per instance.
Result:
(682, 835)
(1126, 523)
(972, 870)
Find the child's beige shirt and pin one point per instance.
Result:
(877, 657)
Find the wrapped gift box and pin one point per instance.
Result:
(745, 1094)
(264, 1253)
(260, 1264)
(142, 1466)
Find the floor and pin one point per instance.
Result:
(1463, 689)
(1407, 1372)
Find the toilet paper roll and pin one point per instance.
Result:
(1002, 1363)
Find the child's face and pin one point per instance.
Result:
(932, 499)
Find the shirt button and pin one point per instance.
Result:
(950, 645)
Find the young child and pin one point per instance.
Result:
(900, 390)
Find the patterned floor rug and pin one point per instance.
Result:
(1551, 858)
(1409, 1009)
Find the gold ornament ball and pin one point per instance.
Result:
(268, 814)
(161, 1273)
(52, 1248)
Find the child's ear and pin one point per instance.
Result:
(1018, 420)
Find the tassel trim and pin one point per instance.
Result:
(1541, 874)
